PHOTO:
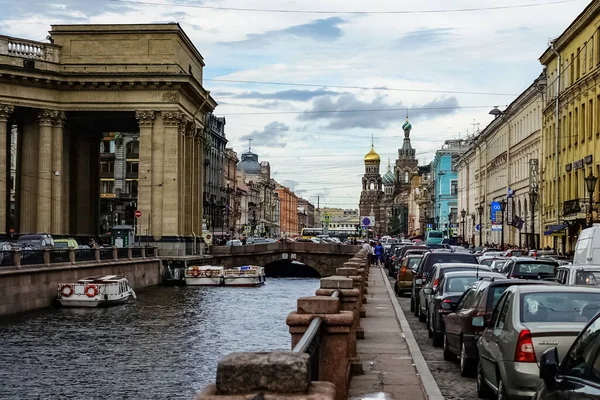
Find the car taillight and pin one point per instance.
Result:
(524, 351)
(403, 269)
(393, 258)
(435, 284)
(446, 305)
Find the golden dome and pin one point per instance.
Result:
(372, 156)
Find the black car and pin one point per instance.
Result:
(577, 377)
(390, 255)
(529, 268)
(429, 259)
(446, 296)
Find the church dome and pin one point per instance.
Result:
(388, 178)
(406, 126)
(249, 163)
(372, 156)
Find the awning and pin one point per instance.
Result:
(554, 228)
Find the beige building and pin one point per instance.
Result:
(91, 79)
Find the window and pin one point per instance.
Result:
(579, 358)
(454, 188)
(132, 167)
(503, 314)
(133, 149)
(131, 187)
(107, 146)
(107, 166)
(406, 176)
(107, 186)
(559, 307)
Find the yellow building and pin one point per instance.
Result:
(572, 66)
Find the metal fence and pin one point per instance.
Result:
(85, 254)
(59, 256)
(106, 254)
(7, 258)
(29, 257)
(136, 252)
(122, 253)
(310, 343)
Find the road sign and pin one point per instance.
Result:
(367, 221)
(326, 218)
(478, 227)
(137, 214)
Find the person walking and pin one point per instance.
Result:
(379, 254)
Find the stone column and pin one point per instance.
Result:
(28, 165)
(172, 121)
(146, 122)
(334, 365)
(277, 375)
(349, 301)
(44, 178)
(58, 176)
(5, 111)
(158, 178)
(357, 283)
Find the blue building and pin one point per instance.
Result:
(446, 215)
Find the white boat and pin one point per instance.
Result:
(204, 275)
(95, 291)
(248, 275)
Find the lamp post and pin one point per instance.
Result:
(437, 222)
(450, 222)
(462, 214)
(426, 222)
(502, 208)
(590, 182)
(480, 212)
(533, 195)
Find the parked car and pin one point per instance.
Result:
(488, 260)
(404, 277)
(477, 302)
(390, 253)
(402, 252)
(234, 242)
(497, 265)
(66, 243)
(586, 275)
(576, 377)
(516, 253)
(428, 260)
(587, 249)
(528, 320)
(529, 268)
(431, 284)
(445, 297)
(434, 237)
(36, 241)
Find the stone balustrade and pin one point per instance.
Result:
(326, 326)
(31, 49)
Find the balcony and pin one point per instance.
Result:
(29, 49)
(575, 207)
(107, 175)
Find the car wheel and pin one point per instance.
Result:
(502, 395)
(428, 324)
(448, 354)
(483, 390)
(438, 338)
(412, 305)
(466, 364)
(422, 317)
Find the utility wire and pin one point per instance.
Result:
(284, 11)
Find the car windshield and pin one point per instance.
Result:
(589, 278)
(61, 245)
(435, 234)
(34, 243)
(487, 262)
(534, 268)
(459, 283)
(559, 306)
(463, 258)
(498, 264)
(413, 262)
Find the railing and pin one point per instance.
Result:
(59, 256)
(311, 341)
(7, 258)
(85, 254)
(29, 257)
(122, 252)
(106, 254)
(29, 49)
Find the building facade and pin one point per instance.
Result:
(288, 220)
(215, 192)
(571, 134)
(309, 209)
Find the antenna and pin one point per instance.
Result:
(372, 141)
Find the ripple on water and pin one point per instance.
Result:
(165, 345)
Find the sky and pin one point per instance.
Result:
(365, 64)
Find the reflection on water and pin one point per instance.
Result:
(165, 345)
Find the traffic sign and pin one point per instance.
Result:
(137, 213)
(478, 227)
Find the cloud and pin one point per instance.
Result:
(319, 29)
(422, 38)
(287, 95)
(343, 118)
(272, 135)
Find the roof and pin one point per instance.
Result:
(372, 155)
(249, 163)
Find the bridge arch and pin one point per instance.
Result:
(290, 269)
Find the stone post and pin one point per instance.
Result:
(334, 365)
(97, 254)
(143, 252)
(146, 123)
(268, 376)
(5, 111)
(58, 174)
(349, 301)
(44, 177)
(115, 253)
(129, 252)
(357, 283)
(72, 259)
(17, 258)
(46, 256)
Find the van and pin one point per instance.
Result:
(434, 237)
(587, 249)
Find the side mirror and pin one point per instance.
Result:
(419, 281)
(414, 270)
(549, 367)
(478, 322)
(428, 291)
(494, 269)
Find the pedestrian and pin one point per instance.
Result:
(244, 240)
(379, 254)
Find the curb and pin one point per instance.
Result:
(432, 391)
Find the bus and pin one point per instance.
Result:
(342, 234)
(434, 237)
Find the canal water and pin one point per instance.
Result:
(164, 345)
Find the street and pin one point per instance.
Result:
(446, 373)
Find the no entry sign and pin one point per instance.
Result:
(137, 213)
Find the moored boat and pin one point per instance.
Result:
(204, 275)
(247, 275)
(95, 291)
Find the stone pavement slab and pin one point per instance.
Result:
(389, 368)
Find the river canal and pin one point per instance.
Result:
(165, 345)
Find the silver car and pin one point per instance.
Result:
(585, 275)
(528, 320)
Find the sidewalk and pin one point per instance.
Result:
(393, 365)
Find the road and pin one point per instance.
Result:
(446, 373)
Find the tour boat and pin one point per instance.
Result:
(95, 291)
(204, 275)
(248, 275)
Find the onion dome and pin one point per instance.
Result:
(389, 178)
(372, 156)
(406, 126)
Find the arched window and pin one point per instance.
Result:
(372, 186)
(406, 174)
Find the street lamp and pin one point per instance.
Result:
(480, 212)
(502, 209)
(437, 222)
(533, 195)
(462, 214)
(590, 182)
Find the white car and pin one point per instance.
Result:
(233, 243)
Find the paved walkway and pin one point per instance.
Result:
(393, 365)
